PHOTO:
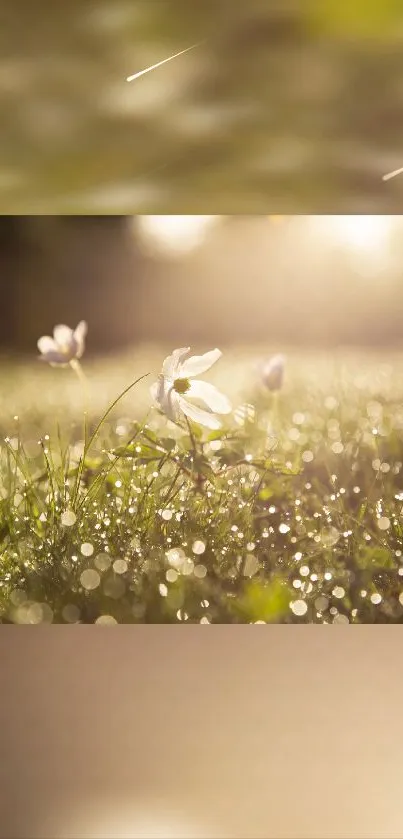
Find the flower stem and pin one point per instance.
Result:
(191, 435)
(275, 409)
(76, 366)
(198, 479)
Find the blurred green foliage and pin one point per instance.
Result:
(292, 106)
(267, 602)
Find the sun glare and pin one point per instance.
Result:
(359, 234)
(175, 234)
(134, 823)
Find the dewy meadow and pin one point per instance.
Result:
(273, 493)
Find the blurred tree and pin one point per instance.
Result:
(62, 270)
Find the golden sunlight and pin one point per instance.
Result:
(135, 822)
(175, 234)
(357, 233)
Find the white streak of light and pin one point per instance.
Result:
(154, 66)
(392, 174)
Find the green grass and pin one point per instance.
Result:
(292, 513)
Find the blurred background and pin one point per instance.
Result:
(324, 290)
(295, 281)
(296, 105)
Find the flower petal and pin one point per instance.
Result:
(273, 372)
(46, 344)
(166, 398)
(63, 335)
(209, 394)
(54, 358)
(79, 335)
(198, 415)
(199, 364)
(170, 404)
(171, 364)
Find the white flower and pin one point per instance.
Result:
(65, 346)
(176, 388)
(273, 372)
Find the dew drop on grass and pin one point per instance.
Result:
(106, 620)
(18, 596)
(299, 607)
(200, 571)
(187, 567)
(251, 565)
(307, 456)
(171, 575)
(163, 590)
(341, 619)
(68, 518)
(102, 562)
(198, 547)
(120, 566)
(284, 528)
(321, 603)
(401, 598)
(338, 592)
(383, 523)
(90, 579)
(34, 613)
(376, 598)
(330, 536)
(167, 515)
(175, 557)
(87, 549)
(71, 613)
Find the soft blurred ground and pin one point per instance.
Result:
(39, 395)
(294, 105)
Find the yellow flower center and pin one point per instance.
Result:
(181, 385)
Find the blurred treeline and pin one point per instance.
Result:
(287, 106)
(251, 281)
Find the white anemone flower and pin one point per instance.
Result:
(273, 372)
(176, 389)
(66, 345)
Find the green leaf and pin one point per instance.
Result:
(167, 443)
(230, 457)
(265, 493)
(215, 435)
(132, 451)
